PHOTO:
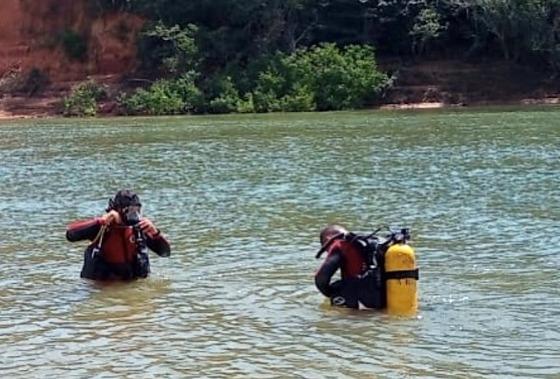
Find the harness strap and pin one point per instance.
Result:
(412, 274)
(99, 240)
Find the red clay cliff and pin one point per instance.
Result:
(30, 39)
(30, 31)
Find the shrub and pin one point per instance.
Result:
(165, 97)
(156, 100)
(269, 89)
(246, 104)
(224, 97)
(301, 99)
(339, 78)
(83, 99)
(186, 87)
(323, 77)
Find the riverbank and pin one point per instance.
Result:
(48, 108)
(418, 85)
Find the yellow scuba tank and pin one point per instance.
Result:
(401, 276)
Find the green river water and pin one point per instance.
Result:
(242, 200)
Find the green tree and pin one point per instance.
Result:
(520, 28)
(427, 27)
(322, 77)
(169, 48)
(339, 78)
(232, 31)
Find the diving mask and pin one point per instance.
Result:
(131, 215)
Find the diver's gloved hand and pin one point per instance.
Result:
(345, 293)
(337, 298)
(148, 227)
(111, 217)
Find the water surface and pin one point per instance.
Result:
(242, 199)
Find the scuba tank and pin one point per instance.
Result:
(401, 275)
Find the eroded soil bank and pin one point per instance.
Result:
(36, 70)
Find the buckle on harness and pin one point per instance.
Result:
(94, 252)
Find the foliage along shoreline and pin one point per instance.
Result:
(51, 110)
(226, 56)
(323, 78)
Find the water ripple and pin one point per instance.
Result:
(242, 199)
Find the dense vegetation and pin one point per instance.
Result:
(292, 55)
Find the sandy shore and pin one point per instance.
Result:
(11, 116)
(48, 111)
(18, 107)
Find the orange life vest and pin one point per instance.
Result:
(354, 263)
(119, 245)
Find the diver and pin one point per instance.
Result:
(120, 240)
(360, 285)
(375, 273)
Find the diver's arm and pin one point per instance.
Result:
(154, 239)
(326, 271)
(88, 229)
(82, 230)
(159, 244)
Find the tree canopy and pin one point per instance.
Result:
(267, 55)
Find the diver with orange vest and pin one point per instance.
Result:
(120, 241)
(375, 273)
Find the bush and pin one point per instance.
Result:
(301, 99)
(323, 77)
(165, 97)
(270, 87)
(157, 100)
(187, 89)
(83, 99)
(246, 104)
(339, 78)
(221, 95)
